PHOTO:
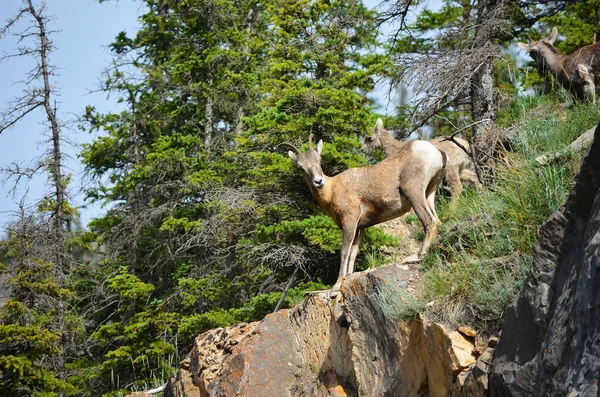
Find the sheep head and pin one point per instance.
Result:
(535, 49)
(373, 141)
(309, 162)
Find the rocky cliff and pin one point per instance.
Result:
(353, 344)
(550, 341)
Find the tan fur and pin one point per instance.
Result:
(578, 73)
(361, 197)
(460, 167)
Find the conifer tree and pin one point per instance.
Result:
(322, 64)
(187, 79)
(36, 326)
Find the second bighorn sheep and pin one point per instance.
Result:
(578, 73)
(361, 197)
(460, 165)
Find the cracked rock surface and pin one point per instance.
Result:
(352, 344)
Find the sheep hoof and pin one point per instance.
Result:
(541, 160)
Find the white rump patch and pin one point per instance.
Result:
(427, 151)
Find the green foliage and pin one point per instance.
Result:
(22, 375)
(372, 259)
(411, 218)
(254, 310)
(579, 24)
(190, 207)
(37, 329)
(129, 286)
(24, 349)
(322, 232)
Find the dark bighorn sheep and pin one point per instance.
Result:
(361, 197)
(578, 73)
(460, 165)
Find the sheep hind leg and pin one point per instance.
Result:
(453, 178)
(432, 188)
(428, 219)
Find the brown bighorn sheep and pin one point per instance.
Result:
(361, 197)
(578, 73)
(460, 167)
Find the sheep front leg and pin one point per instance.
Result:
(349, 235)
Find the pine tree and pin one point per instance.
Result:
(187, 79)
(321, 67)
(37, 329)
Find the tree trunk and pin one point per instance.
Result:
(59, 188)
(243, 97)
(239, 124)
(483, 96)
(209, 114)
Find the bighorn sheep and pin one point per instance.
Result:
(578, 73)
(361, 197)
(460, 166)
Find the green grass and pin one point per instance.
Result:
(374, 258)
(397, 304)
(483, 252)
(411, 218)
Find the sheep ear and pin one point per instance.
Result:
(553, 35)
(319, 147)
(379, 125)
(524, 46)
(293, 156)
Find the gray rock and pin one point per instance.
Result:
(550, 342)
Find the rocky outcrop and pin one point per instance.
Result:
(353, 344)
(550, 341)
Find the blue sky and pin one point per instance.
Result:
(85, 29)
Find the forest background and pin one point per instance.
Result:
(205, 221)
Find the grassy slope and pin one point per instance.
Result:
(484, 249)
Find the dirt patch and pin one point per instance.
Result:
(406, 228)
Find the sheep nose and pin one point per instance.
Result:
(318, 182)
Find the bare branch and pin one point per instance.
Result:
(441, 75)
(12, 21)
